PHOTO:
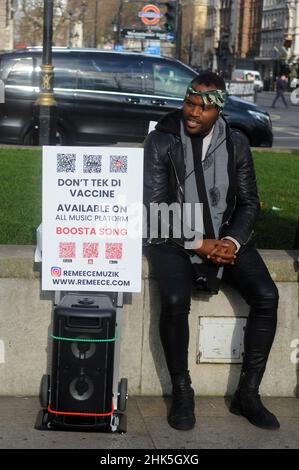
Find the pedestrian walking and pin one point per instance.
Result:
(281, 87)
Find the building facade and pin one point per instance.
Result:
(291, 42)
(273, 54)
(194, 20)
(248, 28)
(227, 37)
(240, 33)
(212, 35)
(279, 49)
(7, 10)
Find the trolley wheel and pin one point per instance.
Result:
(122, 426)
(44, 393)
(123, 395)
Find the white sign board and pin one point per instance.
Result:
(152, 126)
(2, 92)
(92, 219)
(244, 90)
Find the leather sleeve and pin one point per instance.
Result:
(155, 186)
(156, 169)
(247, 204)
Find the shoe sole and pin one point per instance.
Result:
(181, 428)
(238, 412)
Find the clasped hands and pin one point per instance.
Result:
(218, 251)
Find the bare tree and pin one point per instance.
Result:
(99, 21)
(104, 20)
(29, 28)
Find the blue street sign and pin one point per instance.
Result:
(154, 50)
(170, 37)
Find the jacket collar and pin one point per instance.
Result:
(170, 123)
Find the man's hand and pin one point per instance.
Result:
(226, 254)
(218, 251)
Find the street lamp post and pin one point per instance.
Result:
(46, 107)
(178, 38)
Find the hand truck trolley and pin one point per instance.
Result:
(83, 391)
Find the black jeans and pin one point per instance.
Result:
(173, 271)
(279, 94)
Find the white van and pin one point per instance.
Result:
(248, 75)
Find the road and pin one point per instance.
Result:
(285, 121)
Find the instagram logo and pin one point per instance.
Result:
(55, 271)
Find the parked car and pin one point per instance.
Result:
(106, 97)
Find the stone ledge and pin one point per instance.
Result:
(293, 151)
(282, 264)
(25, 325)
(17, 261)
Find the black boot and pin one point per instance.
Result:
(247, 402)
(181, 415)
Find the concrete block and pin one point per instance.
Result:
(25, 323)
(132, 337)
(25, 318)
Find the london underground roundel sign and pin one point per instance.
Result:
(150, 15)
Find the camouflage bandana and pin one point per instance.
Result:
(215, 97)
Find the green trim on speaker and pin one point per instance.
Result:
(84, 340)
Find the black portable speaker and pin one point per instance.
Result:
(84, 334)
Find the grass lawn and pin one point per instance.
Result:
(20, 195)
(278, 185)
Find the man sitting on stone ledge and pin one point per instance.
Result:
(193, 159)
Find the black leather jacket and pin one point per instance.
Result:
(164, 173)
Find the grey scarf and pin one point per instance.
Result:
(216, 181)
(215, 173)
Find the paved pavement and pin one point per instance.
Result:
(216, 428)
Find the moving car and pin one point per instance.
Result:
(249, 75)
(106, 97)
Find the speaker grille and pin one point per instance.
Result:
(82, 371)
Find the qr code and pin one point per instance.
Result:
(92, 163)
(118, 163)
(66, 162)
(67, 250)
(90, 250)
(114, 250)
